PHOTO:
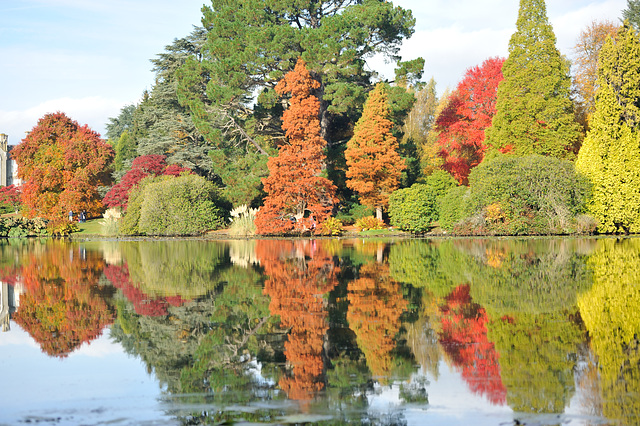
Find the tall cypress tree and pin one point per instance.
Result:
(610, 155)
(534, 109)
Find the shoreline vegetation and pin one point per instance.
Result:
(517, 149)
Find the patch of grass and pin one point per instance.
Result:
(90, 227)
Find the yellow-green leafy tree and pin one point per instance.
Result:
(610, 313)
(610, 154)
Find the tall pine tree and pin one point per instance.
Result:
(610, 155)
(534, 109)
(374, 165)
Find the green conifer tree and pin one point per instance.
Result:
(610, 155)
(632, 13)
(534, 109)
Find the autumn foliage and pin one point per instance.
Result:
(62, 307)
(374, 165)
(142, 167)
(10, 196)
(62, 165)
(464, 340)
(300, 274)
(469, 112)
(375, 307)
(297, 196)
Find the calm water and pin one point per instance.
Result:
(452, 332)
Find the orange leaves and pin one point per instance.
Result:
(62, 164)
(374, 165)
(300, 274)
(375, 306)
(298, 198)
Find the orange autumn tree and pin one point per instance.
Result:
(297, 198)
(300, 274)
(375, 306)
(374, 165)
(63, 306)
(62, 165)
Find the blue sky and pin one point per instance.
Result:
(89, 58)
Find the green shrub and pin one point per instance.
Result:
(453, 207)
(512, 195)
(16, 227)
(355, 211)
(415, 209)
(369, 223)
(331, 226)
(184, 205)
(61, 227)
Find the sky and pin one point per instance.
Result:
(89, 58)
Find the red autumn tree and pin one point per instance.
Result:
(470, 110)
(300, 274)
(146, 165)
(375, 306)
(62, 165)
(374, 165)
(10, 197)
(297, 196)
(464, 340)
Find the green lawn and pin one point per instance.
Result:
(90, 227)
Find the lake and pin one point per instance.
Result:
(536, 331)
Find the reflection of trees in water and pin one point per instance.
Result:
(300, 274)
(464, 339)
(537, 358)
(527, 290)
(610, 313)
(185, 268)
(375, 305)
(63, 306)
(143, 304)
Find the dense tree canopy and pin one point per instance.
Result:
(251, 44)
(534, 111)
(62, 165)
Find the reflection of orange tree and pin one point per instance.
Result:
(62, 307)
(375, 306)
(300, 273)
(464, 340)
(142, 303)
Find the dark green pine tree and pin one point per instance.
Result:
(534, 109)
(610, 155)
(632, 13)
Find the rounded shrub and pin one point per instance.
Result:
(183, 205)
(415, 209)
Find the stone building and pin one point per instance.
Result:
(8, 167)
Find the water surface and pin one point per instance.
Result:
(461, 331)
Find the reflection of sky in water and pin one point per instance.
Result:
(100, 383)
(96, 381)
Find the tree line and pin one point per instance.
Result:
(273, 107)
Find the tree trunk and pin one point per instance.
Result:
(379, 212)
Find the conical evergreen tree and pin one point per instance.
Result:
(374, 165)
(534, 109)
(610, 155)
